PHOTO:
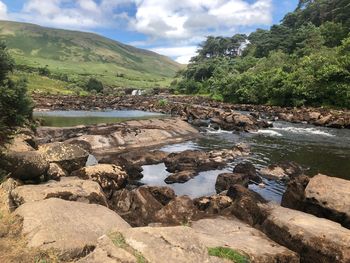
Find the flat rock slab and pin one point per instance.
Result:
(168, 244)
(71, 228)
(315, 239)
(222, 232)
(330, 196)
(68, 188)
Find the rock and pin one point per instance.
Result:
(107, 252)
(231, 233)
(162, 194)
(294, 195)
(314, 239)
(214, 205)
(246, 204)
(110, 177)
(190, 160)
(168, 244)
(225, 180)
(55, 172)
(248, 169)
(243, 174)
(27, 165)
(69, 188)
(322, 196)
(69, 157)
(282, 171)
(180, 177)
(179, 211)
(20, 144)
(71, 228)
(137, 207)
(5, 193)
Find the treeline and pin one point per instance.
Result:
(304, 60)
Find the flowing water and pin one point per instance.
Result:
(317, 149)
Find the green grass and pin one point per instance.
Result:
(42, 84)
(81, 55)
(228, 253)
(119, 241)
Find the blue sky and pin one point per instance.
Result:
(171, 27)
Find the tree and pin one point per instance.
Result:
(15, 105)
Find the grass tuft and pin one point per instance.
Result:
(228, 253)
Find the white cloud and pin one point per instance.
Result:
(3, 11)
(181, 54)
(175, 24)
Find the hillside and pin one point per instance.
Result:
(80, 54)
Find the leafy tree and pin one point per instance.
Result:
(15, 106)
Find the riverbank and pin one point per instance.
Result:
(187, 107)
(92, 179)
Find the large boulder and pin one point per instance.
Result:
(110, 177)
(246, 204)
(70, 157)
(25, 166)
(55, 172)
(168, 244)
(70, 228)
(180, 210)
(314, 239)
(231, 233)
(69, 188)
(322, 196)
(138, 206)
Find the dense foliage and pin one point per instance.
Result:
(305, 60)
(15, 106)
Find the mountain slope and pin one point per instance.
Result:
(80, 54)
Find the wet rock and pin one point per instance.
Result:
(214, 205)
(180, 177)
(282, 171)
(27, 165)
(55, 172)
(246, 205)
(137, 207)
(322, 196)
(231, 233)
(110, 177)
(69, 188)
(248, 169)
(190, 160)
(69, 157)
(225, 180)
(70, 228)
(314, 239)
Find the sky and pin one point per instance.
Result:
(170, 27)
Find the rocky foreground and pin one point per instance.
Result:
(57, 200)
(201, 110)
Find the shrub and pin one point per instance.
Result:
(94, 84)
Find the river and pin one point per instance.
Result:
(317, 149)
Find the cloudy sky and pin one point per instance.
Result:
(170, 27)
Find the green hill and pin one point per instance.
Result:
(80, 55)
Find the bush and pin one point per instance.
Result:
(94, 85)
